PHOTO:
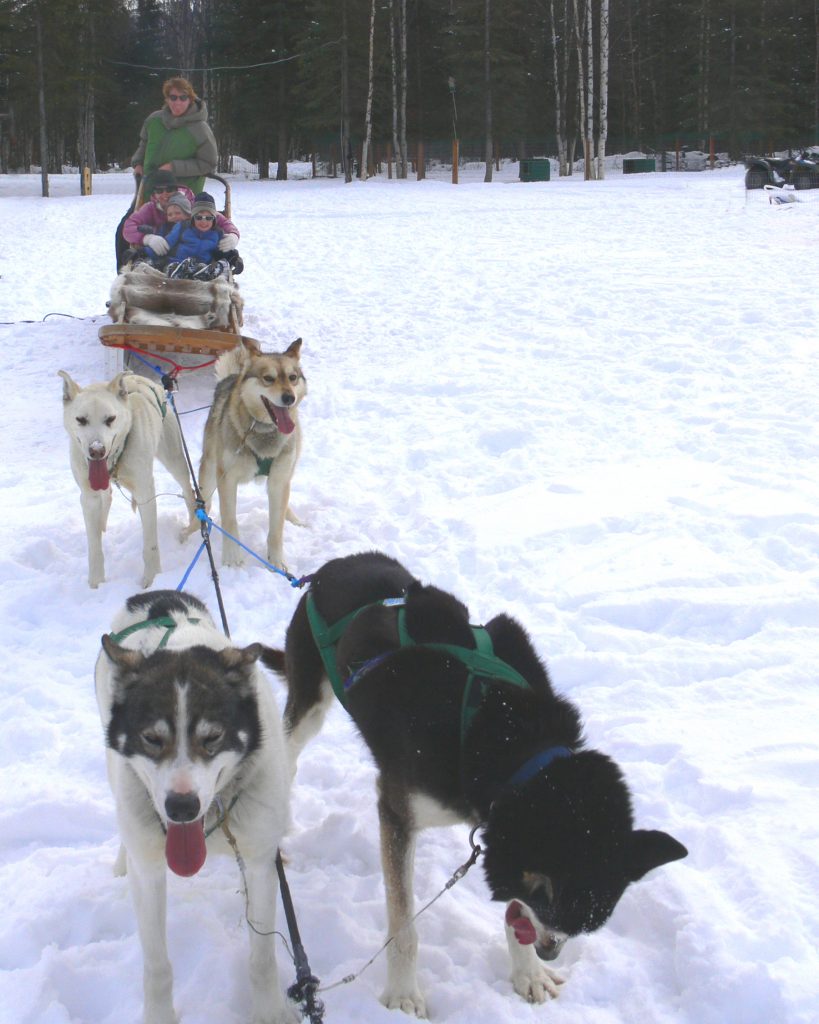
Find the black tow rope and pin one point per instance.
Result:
(303, 990)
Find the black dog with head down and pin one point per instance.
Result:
(462, 732)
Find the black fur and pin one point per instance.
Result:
(571, 822)
(158, 604)
(218, 690)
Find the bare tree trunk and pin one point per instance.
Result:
(368, 117)
(183, 18)
(402, 7)
(41, 100)
(588, 139)
(560, 97)
(487, 81)
(346, 143)
(815, 70)
(283, 132)
(582, 95)
(396, 148)
(603, 104)
(704, 53)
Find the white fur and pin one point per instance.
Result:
(123, 420)
(258, 820)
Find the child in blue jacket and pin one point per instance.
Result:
(194, 244)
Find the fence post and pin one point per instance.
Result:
(85, 184)
(454, 161)
(421, 167)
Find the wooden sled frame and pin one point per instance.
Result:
(182, 340)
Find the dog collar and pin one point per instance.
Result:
(540, 762)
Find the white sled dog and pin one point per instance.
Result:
(195, 753)
(116, 430)
(252, 431)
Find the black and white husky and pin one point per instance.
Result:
(463, 725)
(193, 739)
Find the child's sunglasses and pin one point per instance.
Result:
(177, 99)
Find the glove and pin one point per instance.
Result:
(157, 243)
(228, 242)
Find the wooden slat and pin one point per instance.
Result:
(172, 339)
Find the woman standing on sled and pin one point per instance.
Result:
(177, 138)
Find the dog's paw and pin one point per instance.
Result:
(285, 1013)
(537, 984)
(412, 1003)
(194, 526)
(232, 555)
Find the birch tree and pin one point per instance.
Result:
(398, 83)
(368, 116)
(603, 101)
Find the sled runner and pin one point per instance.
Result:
(154, 313)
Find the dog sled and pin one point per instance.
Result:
(155, 314)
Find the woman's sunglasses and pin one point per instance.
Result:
(177, 99)
(164, 191)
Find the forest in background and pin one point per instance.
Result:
(286, 79)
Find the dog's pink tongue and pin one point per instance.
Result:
(185, 849)
(523, 928)
(281, 418)
(98, 476)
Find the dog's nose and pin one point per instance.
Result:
(549, 949)
(181, 807)
(288, 398)
(96, 450)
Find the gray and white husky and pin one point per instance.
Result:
(193, 739)
(116, 430)
(253, 430)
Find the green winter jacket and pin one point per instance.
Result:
(186, 142)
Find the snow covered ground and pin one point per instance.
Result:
(592, 405)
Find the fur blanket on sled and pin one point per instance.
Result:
(142, 295)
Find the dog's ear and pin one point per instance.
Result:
(651, 850)
(70, 387)
(117, 385)
(121, 656)
(237, 657)
(293, 349)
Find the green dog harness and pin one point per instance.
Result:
(164, 622)
(481, 662)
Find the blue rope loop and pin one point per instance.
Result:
(294, 581)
